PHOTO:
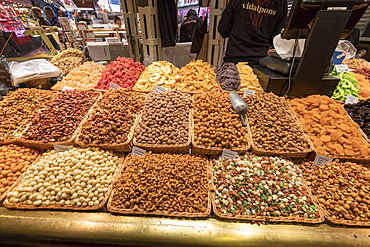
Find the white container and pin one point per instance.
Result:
(98, 51)
(118, 50)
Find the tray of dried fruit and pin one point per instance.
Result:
(342, 189)
(112, 121)
(14, 161)
(275, 130)
(358, 114)
(217, 126)
(91, 170)
(165, 184)
(262, 188)
(60, 121)
(331, 130)
(165, 123)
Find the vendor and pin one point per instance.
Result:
(251, 26)
(188, 26)
(38, 15)
(50, 15)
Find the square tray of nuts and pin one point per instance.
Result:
(164, 184)
(217, 126)
(262, 188)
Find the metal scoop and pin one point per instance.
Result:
(239, 106)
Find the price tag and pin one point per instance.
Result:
(350, 99)
(321, 160)
(67, 88)
(137, 151)
(228, 154)
(159, 89)
(61, 148)
(342, 67)
(114, 86)
(248, 92)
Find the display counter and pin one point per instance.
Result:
(104, 228)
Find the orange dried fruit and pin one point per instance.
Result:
(344, 127)
(348, 152)
(321, 149)
(325, 138)
(317, 142)
(338, 148)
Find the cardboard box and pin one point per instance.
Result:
(99, 51)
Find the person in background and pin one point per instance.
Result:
(61, 13)
(117, 21)
(251, 26)
(50, 15)
(38, 15)
(82, 18)
(188, 26)
(7, 46)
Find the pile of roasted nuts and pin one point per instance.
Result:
(261, 186)
(272, 124)
(77, 177)
(216, 124)
(14, 160)
(174, 183)
(85, 76)
(61, 117)
(67, 60)
(18, 108)
(329, 127)
(112, 118)
(165, 119)
(198, 76)
(161, 73)
(342, 188)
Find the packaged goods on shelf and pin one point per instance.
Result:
(356, 63)
(161, 73)
(83, 77)
(76, 179)
(18, 108)
(59, 120)
(274, 127)
(14, 160)
(216, 125)
(360, 114)
(124, 72)
(163, 184)
(342, 189)
(112, 120)
(248, 80)
(329, 127)
(165, 123)
(262, 188)
(228, 77)
(68, 60)
(198, 76)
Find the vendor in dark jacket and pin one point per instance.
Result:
(251, 26)
(38, 15)
(51, 16)
(188, 26)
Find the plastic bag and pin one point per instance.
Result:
(346, 47)
(285, 47)
(33, 69)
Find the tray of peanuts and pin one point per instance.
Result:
(275, 130)
(165, 123)
(14, 161)
(217, 126)
(262, 188)
(163, 184)
(76, 179)
(342, 189)
(333, 133)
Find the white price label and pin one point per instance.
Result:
(350, 99)
(61, 148)
(321, 160)
(137, 151)
(159, 89)
(228, 154)
(248, 92)
(65, 88)
(342, 67)
(114, 86)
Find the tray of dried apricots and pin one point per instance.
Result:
(331, 130)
